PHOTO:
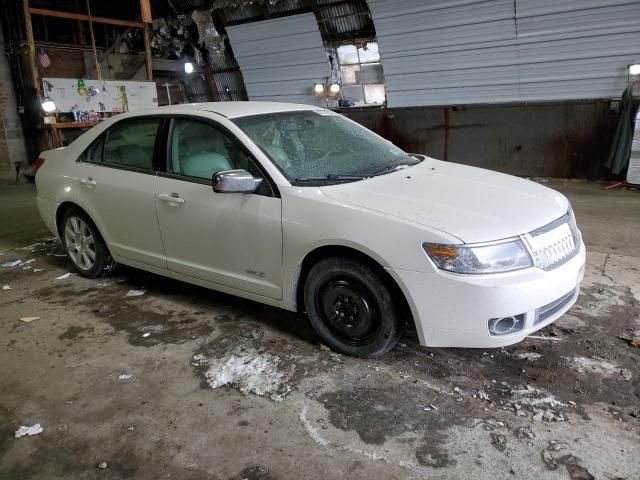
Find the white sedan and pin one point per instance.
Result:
(301, 208)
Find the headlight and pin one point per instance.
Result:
(492, 258)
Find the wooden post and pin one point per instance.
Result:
(147, 53)
(147, 18)
(31, 47)
(93, 43)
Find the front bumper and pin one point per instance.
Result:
(453, 310)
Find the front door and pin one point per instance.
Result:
(233, 239)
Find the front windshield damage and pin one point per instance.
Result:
(322, 147)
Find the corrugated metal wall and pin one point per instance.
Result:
(441, 52)
(280, 59)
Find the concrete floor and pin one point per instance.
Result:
(565, 405)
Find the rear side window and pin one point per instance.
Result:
(131, 143)
(93, 154)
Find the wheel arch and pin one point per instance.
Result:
(335, 250)
(63, 207)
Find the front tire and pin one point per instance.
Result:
(84, 245)
(351, 307)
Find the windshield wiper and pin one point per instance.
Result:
(321, 178)
(393, 168)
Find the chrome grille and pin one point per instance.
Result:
(553, 244)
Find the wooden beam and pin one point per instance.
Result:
(31, 47)
(93, 43)
(45, 12)
(145, 11)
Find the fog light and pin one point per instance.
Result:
(506, 325)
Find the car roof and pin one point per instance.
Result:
(242, 108)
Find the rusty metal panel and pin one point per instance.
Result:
(469, 52)
(552, 139)
(281, 59)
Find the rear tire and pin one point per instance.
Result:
(351, 307)
(85, 247)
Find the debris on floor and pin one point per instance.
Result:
(29, 319)
(25, 431)
(102, 465)
(63, 277)
(124, 376)
(15, 263)
(6, 287)
(135, 293)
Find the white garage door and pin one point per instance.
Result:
(281, 59)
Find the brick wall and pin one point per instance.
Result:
(12, 146)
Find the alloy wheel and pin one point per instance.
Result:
(80, 243)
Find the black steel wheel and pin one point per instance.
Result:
(351, 307)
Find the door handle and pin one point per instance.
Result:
(90, 182)
(173, 198)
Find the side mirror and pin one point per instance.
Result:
(235, 181)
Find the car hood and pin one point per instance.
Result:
(473, 204)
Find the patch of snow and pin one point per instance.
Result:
(135, 293)
(63, 277)
(585, 365)
(529, 356)
(124, 376)
(25, 431)
(250, 372)
(6, 287)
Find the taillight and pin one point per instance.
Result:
(37, 164)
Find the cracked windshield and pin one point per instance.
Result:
(322, 147)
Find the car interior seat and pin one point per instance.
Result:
(203, 155)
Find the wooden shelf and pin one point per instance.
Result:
(71, 125)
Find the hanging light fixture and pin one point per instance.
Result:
(48, 105)
(334, 88)
(634, 69)
(318, 88)
(188, 67)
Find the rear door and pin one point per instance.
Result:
(116, 184)
(230, 239)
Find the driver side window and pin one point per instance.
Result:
(200, 150)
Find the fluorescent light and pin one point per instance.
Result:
(48, 105)
(188, 67)
(634, 69)
(318, 88)
(334, 88)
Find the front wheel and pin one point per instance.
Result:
(84, 245)
(351, 307)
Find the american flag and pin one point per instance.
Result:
(43, 59)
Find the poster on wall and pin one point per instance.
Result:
(114, 96)
(633, 172)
